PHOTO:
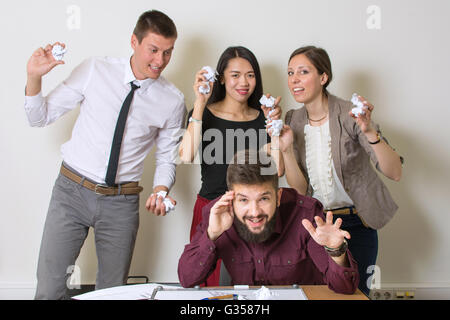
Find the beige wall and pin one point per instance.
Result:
(402, 68)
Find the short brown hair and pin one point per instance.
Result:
(156, 22)
(250, 167)
(319, 58)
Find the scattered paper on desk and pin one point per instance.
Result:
(246, 294)
(265, 294)
(171, 292)
(127, 292)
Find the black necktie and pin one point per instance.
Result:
(118, 136)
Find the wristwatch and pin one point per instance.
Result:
(337, 252)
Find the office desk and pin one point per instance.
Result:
(317, 292)
(323, 293)
(142, 291)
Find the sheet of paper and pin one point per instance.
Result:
(248, 294)
(144, 291)
(128, 292)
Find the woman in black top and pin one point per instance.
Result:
(224, 121)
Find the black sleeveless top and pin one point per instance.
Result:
(221, 139)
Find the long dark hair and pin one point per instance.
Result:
(218, 93)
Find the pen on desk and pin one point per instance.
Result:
(155, 291)
(227, 296)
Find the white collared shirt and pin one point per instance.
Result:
(99, 86)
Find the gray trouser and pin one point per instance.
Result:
(72, 210)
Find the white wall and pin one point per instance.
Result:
(402, 68)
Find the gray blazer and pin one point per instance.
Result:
(351, 153)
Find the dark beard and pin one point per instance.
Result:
(251, 237)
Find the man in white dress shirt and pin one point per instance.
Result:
(82, 197)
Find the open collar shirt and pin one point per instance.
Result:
(289, 257)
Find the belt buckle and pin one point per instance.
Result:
(101, 186)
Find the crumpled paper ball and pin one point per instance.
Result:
(268, 102)
(210, 76)
(275, 126)
(58, 52)
(167, 203)
(359, 106)
(264, 294)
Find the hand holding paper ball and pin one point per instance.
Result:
(58, 52)
(210, 76)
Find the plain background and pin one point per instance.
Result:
(402, 68)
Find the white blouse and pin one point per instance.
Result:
(327, 188)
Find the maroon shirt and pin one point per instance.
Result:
(289, 256)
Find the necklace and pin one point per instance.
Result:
(317, 120)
